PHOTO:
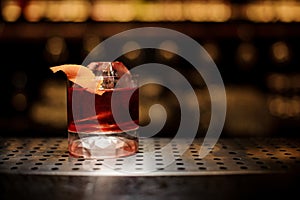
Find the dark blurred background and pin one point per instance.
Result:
(255, 44)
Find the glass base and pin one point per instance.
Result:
(93, 145)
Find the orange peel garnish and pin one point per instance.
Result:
(85, 77)
(74, 71)
(80, 75)
(120, 68)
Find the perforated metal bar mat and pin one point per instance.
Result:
(49, 156)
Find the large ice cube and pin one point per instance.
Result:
(102, 68)
(109, 73)
(104, 73)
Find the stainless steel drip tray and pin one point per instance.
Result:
(49, 156)
(40, 168)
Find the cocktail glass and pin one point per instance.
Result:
(103, 122)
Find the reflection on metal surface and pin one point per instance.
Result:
(229, 156)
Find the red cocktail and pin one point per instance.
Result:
(102, 110)
(99, 117)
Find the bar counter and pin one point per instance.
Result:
(236, 168)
